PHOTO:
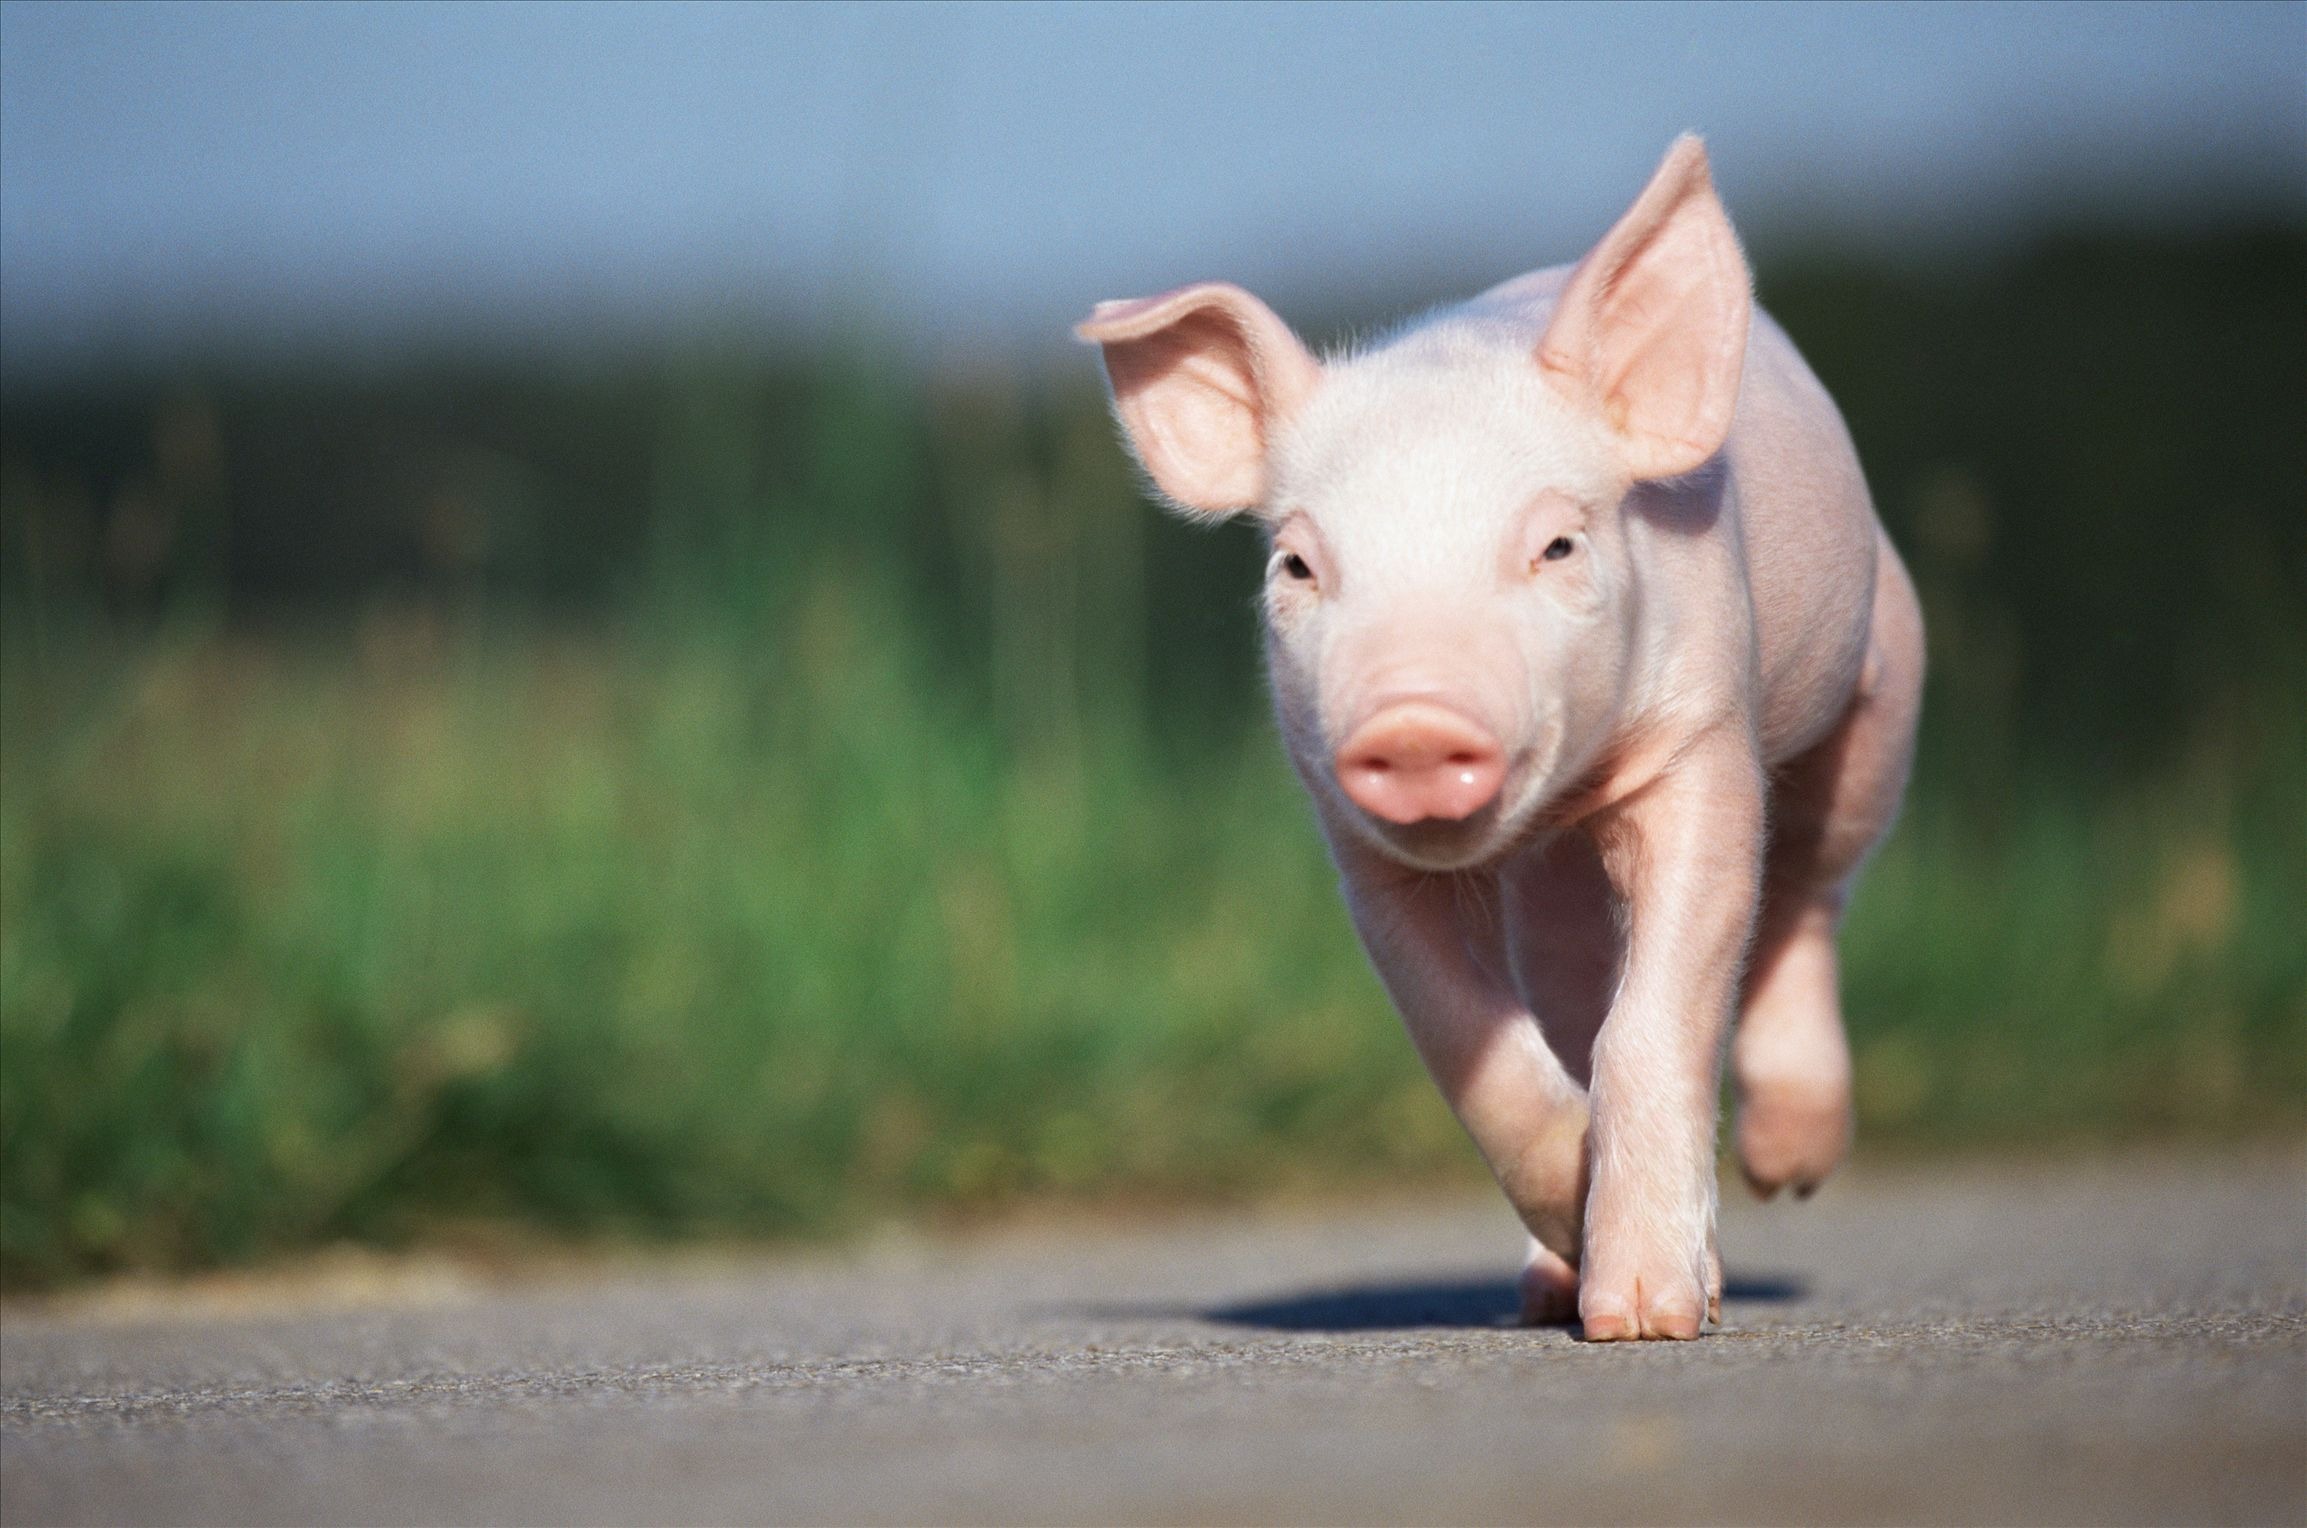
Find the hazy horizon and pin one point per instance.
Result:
(173, 178)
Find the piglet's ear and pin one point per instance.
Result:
(1202, 378)
(1651, 327)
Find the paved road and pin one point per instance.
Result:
(2109, 1342)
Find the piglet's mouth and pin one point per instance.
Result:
(1437, 843)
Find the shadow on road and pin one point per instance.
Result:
(1436, 1302)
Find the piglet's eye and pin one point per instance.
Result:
(1557, 549)
(1296, 567)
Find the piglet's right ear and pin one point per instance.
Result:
(1202, 378)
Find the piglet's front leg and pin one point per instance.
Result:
(1438, 945)
(1685, 853)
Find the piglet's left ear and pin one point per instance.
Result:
(1651, 327)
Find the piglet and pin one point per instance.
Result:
(1588, 646)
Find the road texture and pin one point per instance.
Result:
(2112, 1341)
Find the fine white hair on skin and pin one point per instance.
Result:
(1575, 594)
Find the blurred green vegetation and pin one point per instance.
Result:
(746, 796)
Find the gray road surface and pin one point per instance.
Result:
(2107, 1342)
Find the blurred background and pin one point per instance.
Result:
(578, 657)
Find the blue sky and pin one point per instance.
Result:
(974, 176)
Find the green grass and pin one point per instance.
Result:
(655, 937)
(296, 953)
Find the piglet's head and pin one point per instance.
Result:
(1452, 598)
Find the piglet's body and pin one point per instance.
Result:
(1587, 643)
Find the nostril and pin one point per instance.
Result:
(1413, 762)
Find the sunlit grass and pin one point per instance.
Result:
(295, 953)
(661, 937)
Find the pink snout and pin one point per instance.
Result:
(1415, 759)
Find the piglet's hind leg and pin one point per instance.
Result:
(1828, 809)
(1791, 1063)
